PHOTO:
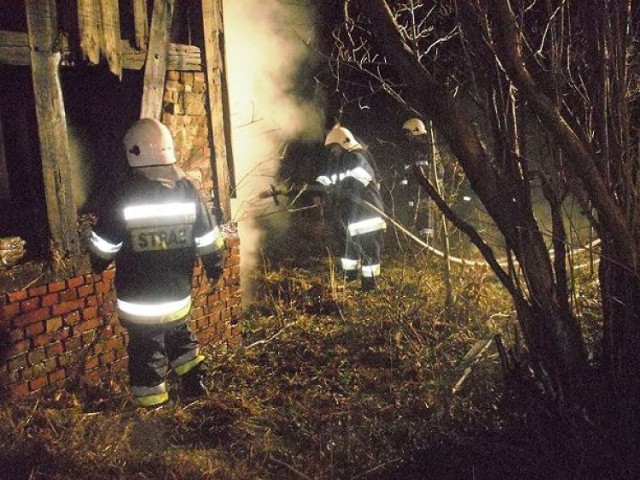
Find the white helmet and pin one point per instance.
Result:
(415, 126)
(342, 137)
(148, 142)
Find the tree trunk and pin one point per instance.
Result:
(621, 311)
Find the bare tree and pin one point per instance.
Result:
(567, 67)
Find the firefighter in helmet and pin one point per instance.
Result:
(155, 225)
(351, 185)
(417, 152)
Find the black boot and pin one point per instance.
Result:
(191, 384)
(369, 283)
(350, 276)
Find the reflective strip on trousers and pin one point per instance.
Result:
(187, 362)
(348, 264)
(366, 226)
(150, 396)
(371, 271)
(153, 313)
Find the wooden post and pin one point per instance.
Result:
(52, 127)
(111, 45)
(219, 124)
(89, 25)
(155, 69)
(141, 24)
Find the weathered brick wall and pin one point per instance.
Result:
(67, 332)
(184, 113)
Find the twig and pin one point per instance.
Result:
(288, 467)
(267, 340)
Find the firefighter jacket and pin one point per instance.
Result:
(154, 233)
(351, 185)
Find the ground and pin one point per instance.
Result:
(330, 383)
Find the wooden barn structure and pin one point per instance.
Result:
(74, 75)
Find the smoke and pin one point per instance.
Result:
(266, 45)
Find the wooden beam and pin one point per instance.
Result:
(212, 20)
(156, 65)
(110, 45)
(141, 24)
(14, 48)
(89, 24)
(52, 127)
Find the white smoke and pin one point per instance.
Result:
(265, 42)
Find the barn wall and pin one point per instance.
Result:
(66, 332)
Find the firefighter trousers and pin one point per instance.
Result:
(154, 349)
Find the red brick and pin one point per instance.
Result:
(86, 326)
(57, 375)
(30, 304)
(38, 383)
(34, 329)
(106, 309)
(91, 363)
(75, 282)
(18, 348)
(72, 318)
(85, 290)
(50, 299)
(91, 301)
(37, 356)
(37, 291)
(109, 274)
(107, 358)
(42, 340)
(89, 313)
(20, 390)
(17, 296)
(9, 310)
(102, 287)
(61, 334)
(71, 344)
(56, 287)
(33, 316)
(67, 295)
(54, 324)
(66, 307)
(54, 349)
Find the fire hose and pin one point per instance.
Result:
(274, 193)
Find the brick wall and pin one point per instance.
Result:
(67, 332)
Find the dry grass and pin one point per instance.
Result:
(331, 383)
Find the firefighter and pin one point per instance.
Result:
(417, 209)
(154, 225)
(351, 184)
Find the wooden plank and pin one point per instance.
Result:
(218, 103)
(52, 128)
(14, 48)
(110, 45)
(141, 24)
(14, 55)
(156, 65)
(13, 39)
(89, 26)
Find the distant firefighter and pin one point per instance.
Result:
(350, 183)
(155, 225)
(415, 206)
